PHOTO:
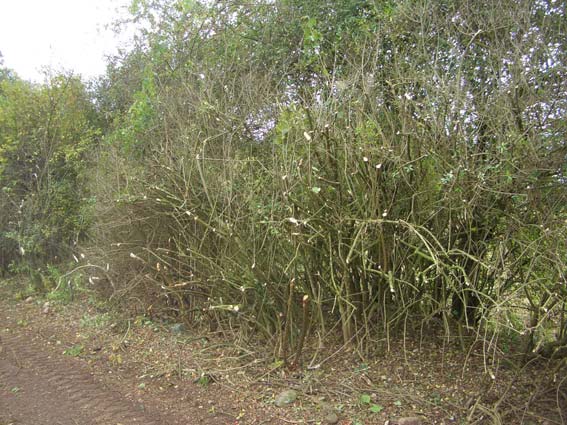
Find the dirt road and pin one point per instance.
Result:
(38, 386)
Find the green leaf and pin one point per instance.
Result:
(376, 408)
(277, 364)
(365, 399)
(397, 403)
(315, 189)
(74, 351)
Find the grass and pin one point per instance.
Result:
(95, 321)
(74, 351)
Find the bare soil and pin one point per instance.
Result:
(79, 364)
(42, 387)
(44, 383)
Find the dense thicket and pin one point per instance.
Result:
(45, 132)
(289, 166)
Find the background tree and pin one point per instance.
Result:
(46, 134)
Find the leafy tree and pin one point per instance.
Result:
(45, 135)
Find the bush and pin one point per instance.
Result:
(45, 137)
(383, 172)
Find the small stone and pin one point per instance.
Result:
(285, 397)
(46, 308)
(331, 418)
(178, 328)
(413, 420)
(28, 300)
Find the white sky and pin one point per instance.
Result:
(61, 34)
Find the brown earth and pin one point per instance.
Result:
(79, 363)
(40, 387)
(56, 368)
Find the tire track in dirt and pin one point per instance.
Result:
(38, 387)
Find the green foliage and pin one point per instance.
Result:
(96, 321)
(74, 351)
(297, 165)
(63, 288)
(204, 380)
(373, 156)
(45, 136)
(376, 408)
